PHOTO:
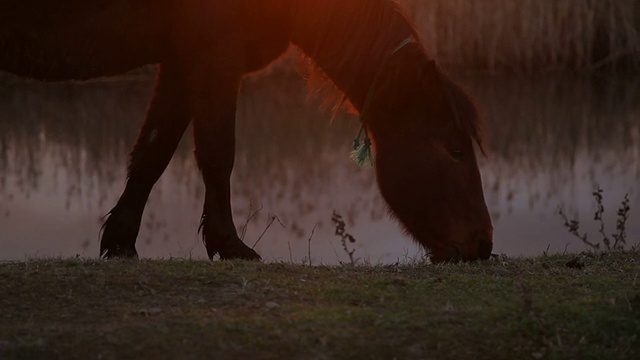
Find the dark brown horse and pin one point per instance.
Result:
(423, 126)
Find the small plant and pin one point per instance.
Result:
(345, 237)
(619, 237)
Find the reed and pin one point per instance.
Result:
(530, 35)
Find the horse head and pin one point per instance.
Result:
(424, 128)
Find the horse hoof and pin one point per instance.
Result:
(236, 250)
(119, 253)
(240, 253)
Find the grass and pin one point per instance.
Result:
(546, 307)
(531, 35)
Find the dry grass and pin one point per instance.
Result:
(531, 35)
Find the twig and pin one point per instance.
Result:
(252, 214)
(273, 218)
(573, 226)
(309, 242)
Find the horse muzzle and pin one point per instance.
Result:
(478, 247)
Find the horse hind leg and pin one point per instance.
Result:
(214, 134)
(166, 121)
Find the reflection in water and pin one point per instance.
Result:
(552, 141)
(63, 149)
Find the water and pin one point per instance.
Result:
(63, 150)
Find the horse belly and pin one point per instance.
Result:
(69, 39)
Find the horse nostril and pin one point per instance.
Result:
(484, 248)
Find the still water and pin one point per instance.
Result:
(63, 151)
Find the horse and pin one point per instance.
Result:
(424, 129)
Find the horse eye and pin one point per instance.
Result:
(457, 153)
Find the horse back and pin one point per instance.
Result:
(79, 39)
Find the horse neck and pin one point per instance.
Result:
(349, 40)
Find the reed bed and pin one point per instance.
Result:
(531, 35)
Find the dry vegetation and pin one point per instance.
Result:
(531, 35)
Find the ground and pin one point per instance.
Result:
(571, 306)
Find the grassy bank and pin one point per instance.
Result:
(531, 35)
(548, 307)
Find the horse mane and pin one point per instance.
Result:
(336, 38)
(364, 39)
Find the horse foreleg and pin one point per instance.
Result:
(159, 136)
(214, 133)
